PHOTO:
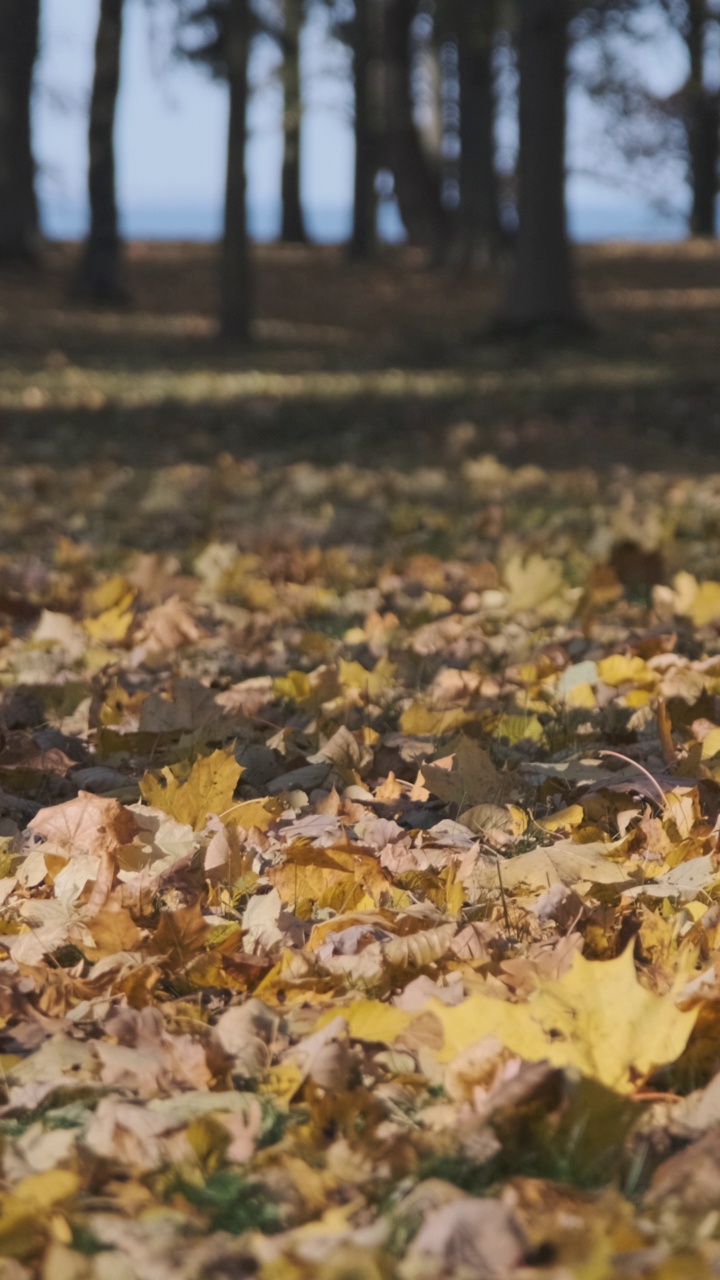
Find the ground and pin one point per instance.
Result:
(359, 358)
(360, 777)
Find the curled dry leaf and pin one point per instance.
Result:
(146, 1059)
(253, 1035)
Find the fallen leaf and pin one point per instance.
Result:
(89, 824)
(191, 793)
(532, 582)
(562, 863)
(473, 779)
(597, 1018)
(24, 1210)
(479, 1236)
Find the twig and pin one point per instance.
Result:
(504, 900)
(635, 765)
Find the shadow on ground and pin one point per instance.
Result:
(388, 365)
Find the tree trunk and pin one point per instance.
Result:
(479, 234)
(19, 223)
(705, 153)
(417, 187)
(541, 293)
(703, 127)
(293, 226)
(100, 274)
(362, 242)
(236, 297)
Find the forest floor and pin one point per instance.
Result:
(388, 357)
(360, 778)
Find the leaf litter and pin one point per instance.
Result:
(359, 873)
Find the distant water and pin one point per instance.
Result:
(203, 222)
(621, 221)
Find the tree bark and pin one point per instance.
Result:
(541, 293)
(705, 153)
(703, 127)
(100, 274)
(236, 290)
(362, 242)
(19, 223)
(293, 225)
(478, 221)
(417, 187)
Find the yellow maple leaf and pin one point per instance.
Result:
(370, 1020)
(637, 698)
(597, 1018)
(114, 591)
(422, 720)
(519, 728)
(307, 691)
(120, 707)
(531, 582)
(191, 793)
(24, 1213)
(255, 813)
(335, 878)
(112, 626)
(619, 669)
(353, 675)
(564, 819)
(581, 695)
(703, 605)
(109, 607)
(295, 686)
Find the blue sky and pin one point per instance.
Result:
(172, 125)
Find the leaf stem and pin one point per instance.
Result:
(653, 781)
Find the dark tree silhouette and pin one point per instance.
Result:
(100, 273)
(417, 185)
(478, 220)
(293, 225)
(703, 123)
(541, 293)
(222, 32)
(236, 279)
(362, 33)
(19, 225)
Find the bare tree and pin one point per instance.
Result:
(100, 272)
(541, 293)
(417, 185)
(363, 35)
(478, 221)
(703, 121)
(19, 224)
(293, 225)
(217, 35)
(236, 292)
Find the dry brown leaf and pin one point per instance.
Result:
(87, 824)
